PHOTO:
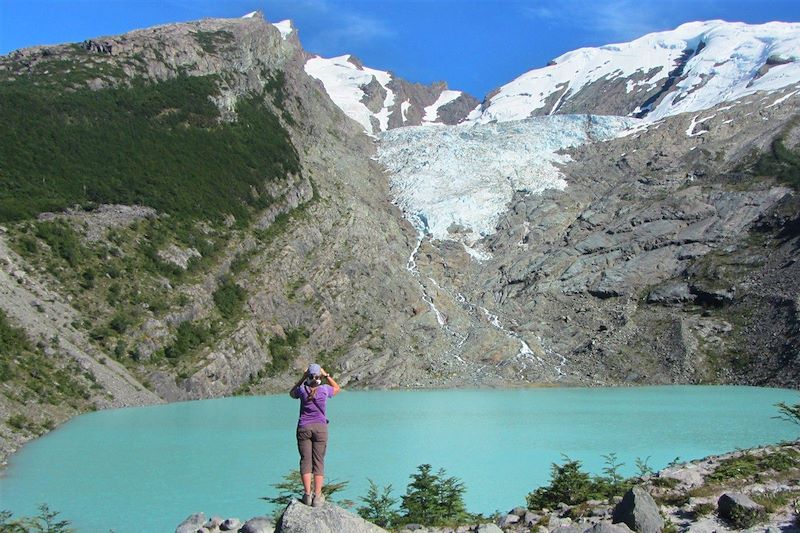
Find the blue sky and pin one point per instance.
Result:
(474, 45)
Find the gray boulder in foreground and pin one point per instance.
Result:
(299, 518)
(605, 527)
(191, 524)
(739, 509)
(259, 524)
(639, 512)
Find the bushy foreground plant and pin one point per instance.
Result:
(291, 484)
(790, 413)
(379, 506)
(431, 499)
(45, 522)
(434, 499)
(571, 485)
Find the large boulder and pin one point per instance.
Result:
(330, 518)
(572, 528)
(191, 524)
(605, 527)
(740, 510)
(259, 524)
(639, 512)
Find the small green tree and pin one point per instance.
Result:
(45, 522)
(790, 413)
(569, 485)
(611, 469)
(643, 467)
(612, 483)
(434, 499)
(292, 484)
(379, 506)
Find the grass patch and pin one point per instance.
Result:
(703, 509)
(777, 500)
(748, 465)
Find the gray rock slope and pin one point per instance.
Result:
(662, 261)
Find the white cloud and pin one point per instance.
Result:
(608, 20)
(352, 28)
(344, 26)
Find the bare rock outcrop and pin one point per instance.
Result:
(330, 518)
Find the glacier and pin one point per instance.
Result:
(454, 182)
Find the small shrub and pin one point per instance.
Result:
(790, 413)
(665, 482)
(229, 298)
(45, 522)
(19, 422)
(379, 506)
(434, 499)
(643, 467)
(569, 484)
(189, 336)
(777, 500)
(283, 350)
(703, 509)
(291, 485)
(121, 321)
(63, 240)
(735, 468)
(742, 518)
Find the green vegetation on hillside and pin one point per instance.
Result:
(28, 374)
(781, 162)
(210, 40)
(155, 144)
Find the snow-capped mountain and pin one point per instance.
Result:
(379, 101)
(694, 67)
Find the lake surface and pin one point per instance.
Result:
(146, 469)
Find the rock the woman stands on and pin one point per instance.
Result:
(312, 429)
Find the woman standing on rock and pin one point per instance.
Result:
(312, 428)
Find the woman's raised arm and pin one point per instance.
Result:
(331, 382)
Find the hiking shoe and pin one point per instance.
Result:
(306, 499)
(319, 500)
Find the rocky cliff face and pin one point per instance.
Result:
(653, 264)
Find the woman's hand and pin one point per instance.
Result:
(323, 373)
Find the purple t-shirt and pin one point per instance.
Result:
(312, 410)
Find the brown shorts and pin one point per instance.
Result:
(312, 441)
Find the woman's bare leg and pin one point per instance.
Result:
(318, 480)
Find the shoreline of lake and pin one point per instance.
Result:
(504, 438)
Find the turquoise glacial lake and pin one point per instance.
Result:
(146, 469)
